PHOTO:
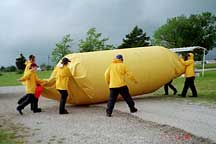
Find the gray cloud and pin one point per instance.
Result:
(29, 26)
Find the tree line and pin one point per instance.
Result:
(180, 31)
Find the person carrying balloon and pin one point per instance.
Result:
(189, 74)
(115, 76)
(63, 75)
(31, 81)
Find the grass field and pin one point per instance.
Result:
(7, 137)
(211, 65)
(10, 78)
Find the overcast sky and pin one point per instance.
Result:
(34, 26)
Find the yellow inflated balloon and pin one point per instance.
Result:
(152, 67)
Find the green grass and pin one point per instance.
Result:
(211, 65)
(10, 78)
(206, 88)
(7, 137)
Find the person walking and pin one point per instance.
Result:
(31, 80)
(115, 77)
(28, 63)
(169, 85)
(63, 75)
(190, 75)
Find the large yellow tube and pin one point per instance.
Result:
(152, 67)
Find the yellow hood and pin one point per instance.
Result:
(191, 56)
(117, 61)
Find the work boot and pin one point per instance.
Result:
(181, 95)
(192, 96)
(19, 110)
(175, 92)
(37, 110)
(64, 112)
(133, 110)
(108, 114)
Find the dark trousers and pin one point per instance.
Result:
(166, 87)
(114, 92)
(34, 104)
(189, 83)
(28, 99)
(64, 95)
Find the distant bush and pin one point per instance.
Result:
(1, 74)
(8, 69)
(19, 72)
(44, 67)
(49, 67)
(2, 69)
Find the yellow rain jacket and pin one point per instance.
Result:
(189, 65)
(115, 74)
(31, 80)
(63, 75)
(27, 68)
(28, 65)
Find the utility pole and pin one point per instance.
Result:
(48, 60)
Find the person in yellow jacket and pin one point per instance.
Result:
(29, 62)
(63, 75)
(31, 80)
(115, 77)
(27, 68)
(189, 74)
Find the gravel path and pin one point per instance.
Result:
(197, 119)
(88, 124)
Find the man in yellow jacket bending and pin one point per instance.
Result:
(190, 75)
(115, 78)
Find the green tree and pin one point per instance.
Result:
(2, 69)
(136, 38)
(20, 62)
(8, 69)
(62, 48)
(94, 42)
(45, 67)
(182, 31)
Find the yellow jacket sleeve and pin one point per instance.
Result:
(107, 75)
(129, 74)
(25, 76)
(187, 62)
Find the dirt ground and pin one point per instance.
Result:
(155, 122)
